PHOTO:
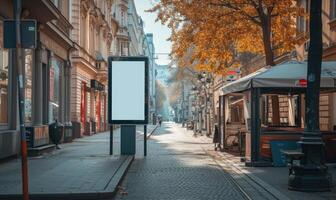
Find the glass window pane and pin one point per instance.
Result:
(332, 9)
(28, 84)
(54, 90)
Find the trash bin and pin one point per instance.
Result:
(68, 132)
(56, 131)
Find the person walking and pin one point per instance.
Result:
(216, 138)
(160, 121)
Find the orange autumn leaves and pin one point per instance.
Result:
(211, 34)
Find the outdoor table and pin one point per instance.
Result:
(292, 156)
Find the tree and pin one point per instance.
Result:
(211, 34)
(214, 32)
(160, 96)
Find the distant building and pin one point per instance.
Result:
(149, 49)
(135, 31)
(141, 44)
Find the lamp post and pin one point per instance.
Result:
(311, 174)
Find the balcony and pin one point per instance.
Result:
(82, 56)
(122, 33)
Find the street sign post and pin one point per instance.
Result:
(20, 34)
(28, 34)
(128, 96)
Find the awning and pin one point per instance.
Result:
(285, 75)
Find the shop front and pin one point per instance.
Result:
(89, 100)
(99, 114)
(267, 107)
(47, 79)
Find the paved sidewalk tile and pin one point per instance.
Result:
(273, 178)
(79, 167)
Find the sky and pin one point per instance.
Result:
(160, 32)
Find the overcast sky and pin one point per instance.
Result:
(160, 32)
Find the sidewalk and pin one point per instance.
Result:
(176, 168)
(82, 169)
(271, 179)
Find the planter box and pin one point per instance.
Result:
(37, 135)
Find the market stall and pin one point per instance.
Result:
(270, 106)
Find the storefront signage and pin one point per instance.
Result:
(28, 34)
(97, 85)
(128, 90)
(301, 83)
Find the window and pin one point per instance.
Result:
(83, 31)
(332, 9)
(301, 22)
(3, 80)
(91, 42)
(28, 84)
(54, 88)
(123, 18)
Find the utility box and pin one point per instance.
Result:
(127, 139)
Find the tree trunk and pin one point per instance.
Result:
(314, 68)
(266, 31)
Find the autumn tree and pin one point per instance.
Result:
(214, 32)
(160, 96)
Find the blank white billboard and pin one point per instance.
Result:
(127, 88)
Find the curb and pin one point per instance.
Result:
(109, 191)
(267, 187)
(150, 134)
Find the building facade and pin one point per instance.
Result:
(47, 75)
(150, 53)
(135, 31)
(95, 27)
(120, 45)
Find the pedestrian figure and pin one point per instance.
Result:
(160, 121)
(216, 138)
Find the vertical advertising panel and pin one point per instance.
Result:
(128, 90)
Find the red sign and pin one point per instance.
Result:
(231, 72)
(303, 82)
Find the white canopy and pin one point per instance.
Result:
(285, 75)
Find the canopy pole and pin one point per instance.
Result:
(145, 140)
(111, 139)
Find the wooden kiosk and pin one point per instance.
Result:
(268, 105)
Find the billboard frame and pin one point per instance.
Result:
(127, 58)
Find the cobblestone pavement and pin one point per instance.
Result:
(177, 168)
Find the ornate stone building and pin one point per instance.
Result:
(94, 33)
(120, 45)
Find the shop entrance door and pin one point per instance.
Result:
(83, 108)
